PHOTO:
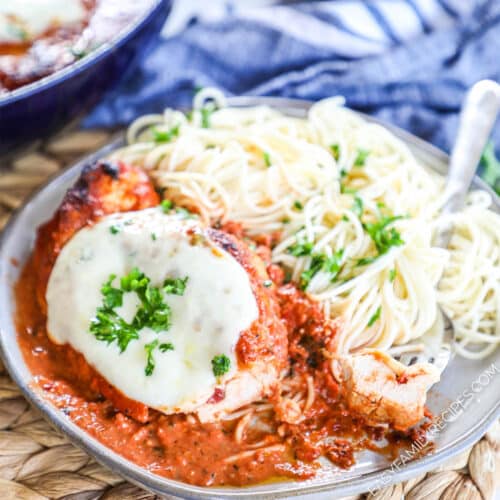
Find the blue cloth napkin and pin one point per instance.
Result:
(406, 61)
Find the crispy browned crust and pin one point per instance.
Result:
(103, 188)
(266, 339)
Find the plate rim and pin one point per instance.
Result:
(161, 485)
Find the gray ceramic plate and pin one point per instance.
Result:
(467, 398)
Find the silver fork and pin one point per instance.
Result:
(477, 117)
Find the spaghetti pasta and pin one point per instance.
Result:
(355, 213)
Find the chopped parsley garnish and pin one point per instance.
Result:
(150, 360)
(392, 275)
(366, 260)
(335, 149)
(491, 167)
(153, 313)
(285, 220)
(167, 346)
(360, 159)
(220, 365)
(298, 205)
(175, 286)
(114, 229)
(153, 236)
(206, 114)
(383, 236)
(160, 136)
(112, 297)
(267, 159)
(345, 218)
(357, 208)
(267, 283)
(300, 249)
(321, 262)
(347, 190)
(167, 205)
(375, 317)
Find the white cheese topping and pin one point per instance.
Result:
(217, 305)
(24, 20)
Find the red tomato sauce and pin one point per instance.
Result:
(179, 446)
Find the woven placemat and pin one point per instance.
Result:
(38, 463)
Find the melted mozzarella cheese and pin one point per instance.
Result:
(217, 305)
(24, 20)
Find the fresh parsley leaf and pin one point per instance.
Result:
(392, 275)
(153, 313)
(206, 114)
(335, 149)
(150, 362)
(168, 346)
(491, 167)
(135, 280)
(112, 297)
(175, 286)
(285, 220)
(267, 159)
(161, 136)
(345, 218)
(320, 262)
(220, 365)
(298, 205)
(333, 264)
(109, 327)
(114, 229)
(347, 190)
(300, 249)
(360, 159)
(357, 208)
(153, 236)
(167, 205)
(374, 317)
(366, 260)
(383, 236)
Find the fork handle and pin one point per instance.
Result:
(477, 118)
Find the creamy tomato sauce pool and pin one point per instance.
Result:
(229, 452)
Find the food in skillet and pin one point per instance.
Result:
(40, 37)
(329, 274)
